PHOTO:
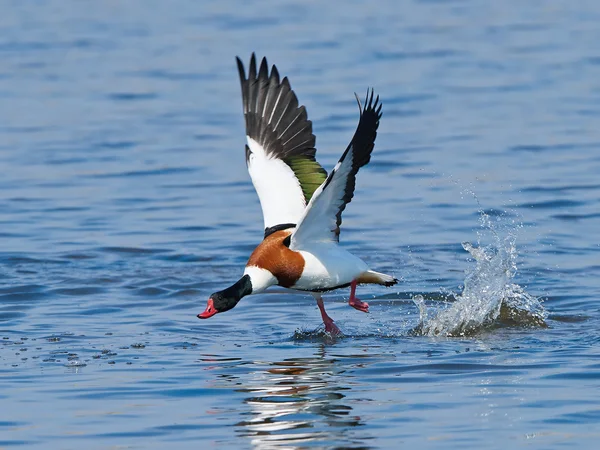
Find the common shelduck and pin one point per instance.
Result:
(302, 206)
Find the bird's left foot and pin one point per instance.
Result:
(357, 304)
(332, 328)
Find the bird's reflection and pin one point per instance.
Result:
(299, 401)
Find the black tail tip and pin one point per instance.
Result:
(391, 283)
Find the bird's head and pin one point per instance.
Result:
(226, 299)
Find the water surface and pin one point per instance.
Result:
(125, 202)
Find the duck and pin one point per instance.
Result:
(302, 204)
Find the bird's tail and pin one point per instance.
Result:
(372, 277)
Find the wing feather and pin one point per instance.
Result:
(323, 216)
(280, 150)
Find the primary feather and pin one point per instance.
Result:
(280, 150)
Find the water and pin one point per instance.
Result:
(125, 201)
(489, 296)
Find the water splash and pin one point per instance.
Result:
(489, 298)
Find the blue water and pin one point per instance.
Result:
(125, 201)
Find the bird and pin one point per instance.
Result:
(302, 205)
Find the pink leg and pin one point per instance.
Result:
(356, 303)
(330, 327)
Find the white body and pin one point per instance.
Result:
(327, 265)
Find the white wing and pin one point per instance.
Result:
(323, 216)
(278, 189)
(280, 150)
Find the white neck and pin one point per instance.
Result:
(260, 278)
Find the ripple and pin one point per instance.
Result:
(132, 250)
(535, 148)
(132, 96)
(20, 297)
(552, 204)
(17, 260)
(79, 256)
(143, 173)
(429, 54)
(151, 292)
(78, 291)
(575, 217)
